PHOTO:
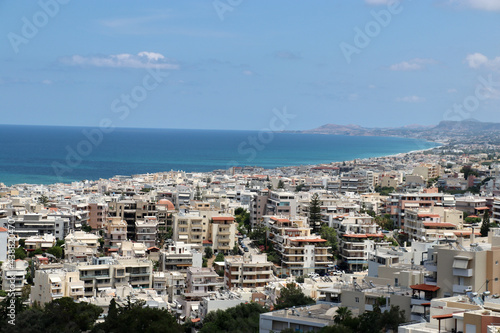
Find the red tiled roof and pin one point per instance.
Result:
(426, 304)
(223, 218)
(427, 215)
(356, 235)
(424, 287)
(466, 233)
(313, 240)
(482, 208)
(439, 225)
(375, 235)
(472, 216)
(207, 242)
(279, 220)
(195, 320)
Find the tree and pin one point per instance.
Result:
(330, 234)
(299, 187)
(281, 184)
(341, 314)
(259, 234)
(86, 227)
(43, 199)
(292, 295)
(133, 317)
(315, 213)
(19, 253)
(236, 250)
(219, 257)
(468, 171)
(56, 251)
(197, 195)
(241, 318)
(208, 252)
(485, 226)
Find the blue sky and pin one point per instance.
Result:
(227, 64)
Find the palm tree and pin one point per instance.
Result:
(342, 314)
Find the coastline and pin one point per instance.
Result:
(383, 156)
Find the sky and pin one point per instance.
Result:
(242, 64)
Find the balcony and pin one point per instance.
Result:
(461, 289)
(463, 272)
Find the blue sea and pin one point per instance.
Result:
(49, 154)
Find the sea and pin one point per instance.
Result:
(54, 154)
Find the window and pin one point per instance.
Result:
(356, 299)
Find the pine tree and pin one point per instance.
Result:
(485, 226)
(315, 213)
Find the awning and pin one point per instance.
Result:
(461, 262)
(424, 287)
(443, 316)
(55, 279)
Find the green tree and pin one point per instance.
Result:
(281, 184)
(315, 213)
(468, 171)
(19, 253)
(330, 234)
(299, 187)
(485, 226)
(236, 250)
(341, 314)
(198, 195)
(292, 295)
(56, 251)
(219, 257)
(208, 252)
(86, 227)
(44, 200)
(241, 318)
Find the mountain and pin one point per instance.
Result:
(464, 131)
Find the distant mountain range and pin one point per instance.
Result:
(445, 130)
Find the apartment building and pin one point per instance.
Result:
(80, 246)
(457, 269)
(247, 272)
(223, 233)
(495, 213)
(107, 272)
(277, 203)
(433, 223)
(472, 205)
(356, 248)
(202, 281)
(300, 319)
(116, 233)
(14, 276)
(130, 211)
(4, 237)
(38, 225)
(98, 213)
(53, 284)
(146, 231)
(43, 242)
(191, 227)
(427, 170)
(397, 203)
(179, 256)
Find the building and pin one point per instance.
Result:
(202, 281)
(301, 319)
(247, 272)
(116, 233)
(433, 223)
(146, 231)
(223, 233)
(38, 225)
(14, 276)
(179, 256)
(56, 283)
(97, 215)
(43, 242)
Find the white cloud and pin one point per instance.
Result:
(412, 65)
(247, 72)
(488, 5)
(411, 99)
(287, 55)
(47, 82)
(372, 86)
(125, 60)
(353, 97)
(452, 91)
(477, 60)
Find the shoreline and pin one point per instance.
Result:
(439, 144)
